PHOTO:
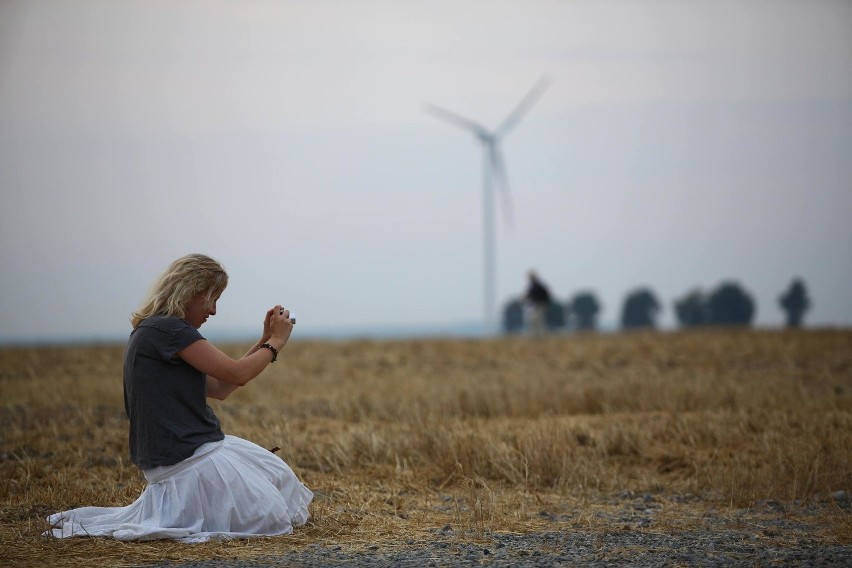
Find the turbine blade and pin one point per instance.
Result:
(501, 181)
(455, 119)
(523, 107)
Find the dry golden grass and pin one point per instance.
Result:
(400, 438)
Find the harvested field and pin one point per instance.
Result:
(405, 442)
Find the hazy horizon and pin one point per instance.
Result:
(679, 146)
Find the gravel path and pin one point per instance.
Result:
(725, 548)
(766, 536)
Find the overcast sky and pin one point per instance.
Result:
(680, 145)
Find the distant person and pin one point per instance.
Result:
(538, 297)
(202, 484)
(795, 302)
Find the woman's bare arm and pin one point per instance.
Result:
(208, 359)
(219, 389)
(211, 361)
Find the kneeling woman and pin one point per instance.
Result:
(202, 484)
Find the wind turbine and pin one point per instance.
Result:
(494, 173)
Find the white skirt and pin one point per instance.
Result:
(227, 489)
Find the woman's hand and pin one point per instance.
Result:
(267, 330)
(276, 330)
(220, 368)
(280, 326)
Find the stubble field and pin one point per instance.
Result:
(407, 441)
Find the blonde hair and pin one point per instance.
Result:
(185, 278)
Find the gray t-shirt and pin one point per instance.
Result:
(165, 397)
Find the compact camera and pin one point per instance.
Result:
(292, 316)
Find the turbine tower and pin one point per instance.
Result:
(493, 174)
